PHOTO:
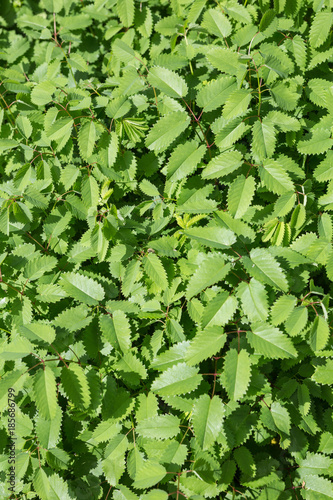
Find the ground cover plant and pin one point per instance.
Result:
(166, 262)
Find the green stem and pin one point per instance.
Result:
(7, 331)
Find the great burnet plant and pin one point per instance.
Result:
(165, 248)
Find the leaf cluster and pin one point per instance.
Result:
(166, 259)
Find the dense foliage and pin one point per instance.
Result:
(165, 248)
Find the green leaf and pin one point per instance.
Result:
(264, 140)
(82, 288)
(42, 93)
(24, 126)
(283, 121)
(112, 150)
(212, 270)
(149, 474)
(319, 142)
(113, 464)
(125, 10)
(207, 417)
(253, 296)
(194, 201)
(99, 242)
(104, 431)
(176, 380)
(78, 62)
(184, 160)
(212, 237)
(236, 373)
(129, 363)
(116, 330)
(76, 385)
(18, 348)
(171, 356)
(45, 392)
(148, 188)
(60, 129)
(155, 270)
(264, 267)
(86, 139)
(222, 165)
(320, 28)
(304, 400)
(168, 82)
(50, 487)
(245, 461)
(229, 132)
(35, 197)
(159, 427)
(57, 222)
(266, 19)
(131, 275)
(155, 494)
(285, 97)
(317, 488)
(225, 60)
(319, 91)
(319, 334)
(314, 463)
(275, 178)
(216, 93)
(282, 309)
(299, 50)
(219, 311)
(238, 12)
(270, 342)
(296, 321)
(8, 381)
(7, 144)
(216, 23)
(53, 5)
(78, 253)
(236, 104)
(240, 195)
(166, 130)
(324, 373)
(205, 344)
(326, 443)
(73, 318)
(48, 431)
(325, 229)
(329, 266)
(166, 254)
(146, 406)
(39, 331)
(276, 418)
(57, 458)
